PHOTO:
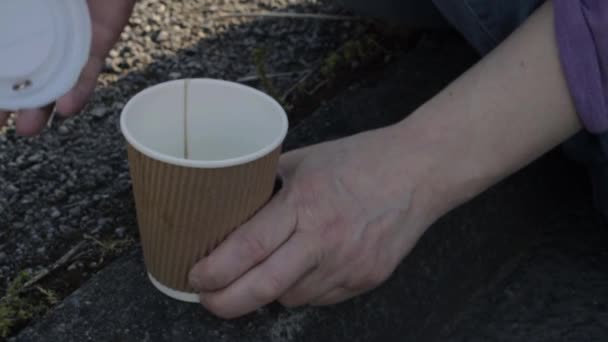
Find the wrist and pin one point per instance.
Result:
(442, 176)
(419, 172)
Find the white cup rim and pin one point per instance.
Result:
(197, 163)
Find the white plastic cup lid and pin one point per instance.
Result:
(44, 45)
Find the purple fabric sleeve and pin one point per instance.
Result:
(582, 37)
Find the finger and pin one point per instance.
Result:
(267, 281)
(335, 296)
(108, 19)
(247, 246)
(3, 117)
(73, 102)
(30, 122)
(312, 286)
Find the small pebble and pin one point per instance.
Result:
(63, 130)
(162, 36)
(60, 194)
(120, 232)
(35, 157)
(99, 112)
(12, 188)
(75, 211)
(65, 230)
(55, 213)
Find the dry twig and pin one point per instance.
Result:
(251, 78)
(296, 85)
(60, 262)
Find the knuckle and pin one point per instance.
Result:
(268, 289)
(207, 277)
(253, 247)
(213, 278)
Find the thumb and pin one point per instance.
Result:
(290, 161)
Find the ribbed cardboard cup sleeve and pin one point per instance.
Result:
(183, 213)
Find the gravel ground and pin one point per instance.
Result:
(73, 180)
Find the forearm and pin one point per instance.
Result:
(506, 111)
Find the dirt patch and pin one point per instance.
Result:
(288, 325)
